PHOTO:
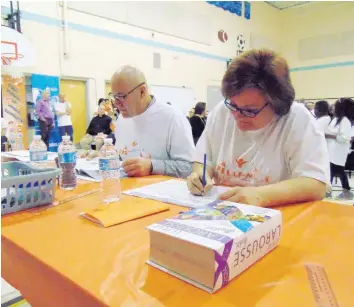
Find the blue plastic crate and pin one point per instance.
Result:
(24, 186)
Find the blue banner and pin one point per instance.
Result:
(247, 10)
(41, 83)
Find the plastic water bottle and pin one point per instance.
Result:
(67, 163)
(109, 170)
(38, 152)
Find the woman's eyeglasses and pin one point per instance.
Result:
(121, 97)
(245, 112)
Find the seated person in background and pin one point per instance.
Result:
(259, 141)
(198, 121)
(322, 114)
(98, 130)
(110, 110)
(152, 137)
(100, 101)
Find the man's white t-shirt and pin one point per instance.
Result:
(339, 148)
(323, 122)
(63, 120)
(161, 133)
(290, 146)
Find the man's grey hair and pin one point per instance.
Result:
(130, 73)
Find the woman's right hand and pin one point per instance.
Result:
(195, 186)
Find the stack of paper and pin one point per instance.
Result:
(89, 170)
(207, 247)
(176, 192)
(24, 156)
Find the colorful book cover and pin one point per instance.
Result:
(238, 234)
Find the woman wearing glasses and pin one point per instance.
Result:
(258, 141)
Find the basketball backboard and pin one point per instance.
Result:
(16, 49)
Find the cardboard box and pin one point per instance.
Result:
(210, 246)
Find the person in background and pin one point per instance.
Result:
(322, 114)
(5, 144)
(198, 121)
(109, 108)
(260, 142)
(206, 115)
(98, 130)
(45, 117)
(152, 137)
(331, 111)
(190, 113)
(338, 135)
(63, 112)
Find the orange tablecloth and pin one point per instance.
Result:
(55, 258)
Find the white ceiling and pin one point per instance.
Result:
(283, 5)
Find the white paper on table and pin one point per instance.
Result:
(18, 153)
(87, 165)
(24, 156)
(176, 192)
(90, 170)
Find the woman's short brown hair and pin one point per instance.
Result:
(262, 69)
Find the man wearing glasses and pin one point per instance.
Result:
(152, 137)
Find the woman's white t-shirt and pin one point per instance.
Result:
(323, 122)
(339, 148)
(290, 146)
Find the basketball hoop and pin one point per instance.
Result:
(17, 54)
(6, 57)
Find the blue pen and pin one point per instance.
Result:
(204, 171)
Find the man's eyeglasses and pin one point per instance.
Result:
(245, 112)
(121, 97)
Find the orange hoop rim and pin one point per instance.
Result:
(7, 59)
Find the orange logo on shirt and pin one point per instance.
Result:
(240, 162)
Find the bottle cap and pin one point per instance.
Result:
(108, 141)
(66, 137)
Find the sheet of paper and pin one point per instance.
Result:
(18, 153)
(23, 155)
(176, 192)
(89, 170)
(87, 165)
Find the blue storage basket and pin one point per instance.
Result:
(24, 186)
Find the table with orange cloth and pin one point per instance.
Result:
(56, 258)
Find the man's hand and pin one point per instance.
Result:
(137, 167)
(195, 186)
(244, 195)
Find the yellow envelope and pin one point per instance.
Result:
(121, 212)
